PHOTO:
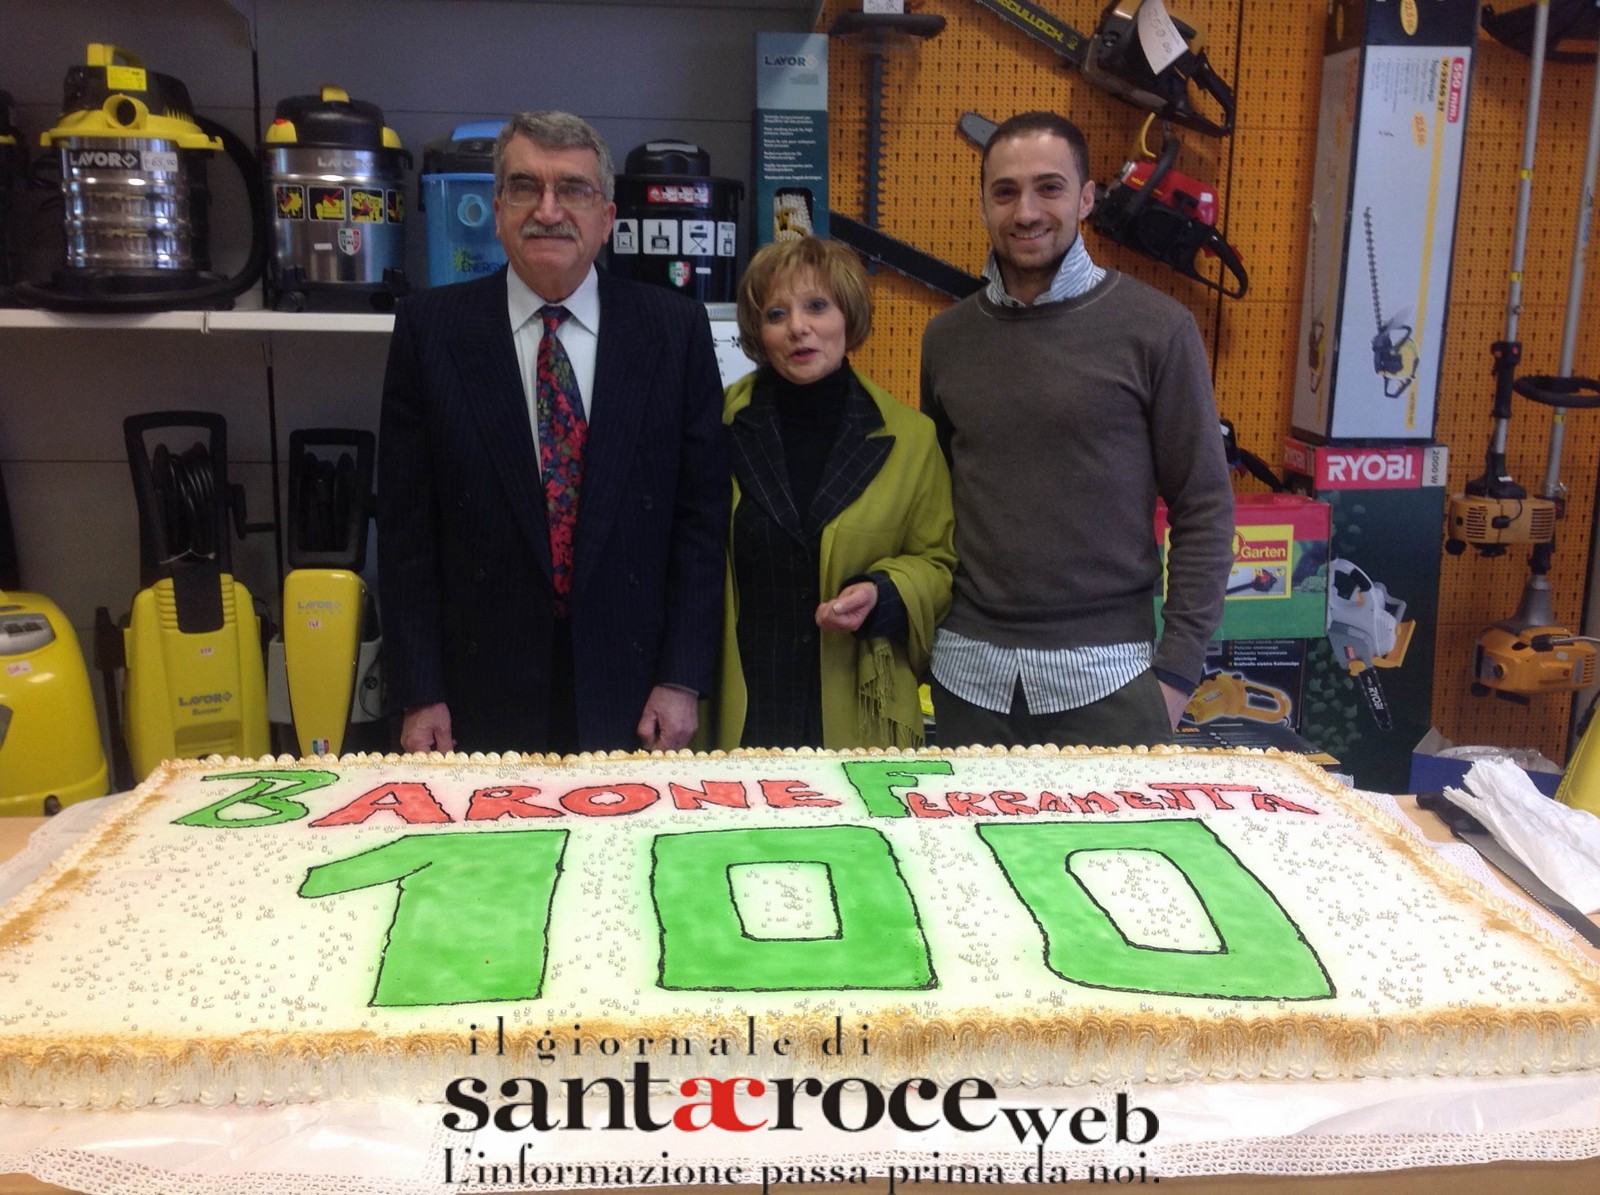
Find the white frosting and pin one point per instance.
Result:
(170, 963)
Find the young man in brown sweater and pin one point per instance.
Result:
(1068, 398)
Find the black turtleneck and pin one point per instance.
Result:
(808, 415)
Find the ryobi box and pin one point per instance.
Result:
(1390, 135)
(1369, 675)
(1278, 586)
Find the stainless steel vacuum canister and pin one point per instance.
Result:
(133, 177)
(336, 184)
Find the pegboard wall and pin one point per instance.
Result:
(1272, 55)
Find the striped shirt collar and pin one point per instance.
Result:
(1077, 274)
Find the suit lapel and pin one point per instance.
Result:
(855, 458)
(756, 446)
(625, 360)
(491, 381)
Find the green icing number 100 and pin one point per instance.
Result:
(471, 920)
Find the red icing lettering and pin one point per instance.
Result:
(1012, 803)
(788, 794)
(1137, 800)
(514, 800)
(968, 804)
(1176, 801)
(1271, 803)
(1050, 803)
(729, 793)
(412, 803)
(920, 806)
(629, 798)
(1211, 792)
(1093, 803)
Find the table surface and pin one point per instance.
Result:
(1503, 1178)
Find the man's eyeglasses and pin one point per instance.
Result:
(520, 190)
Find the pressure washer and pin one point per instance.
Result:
(191, 647)
(323, 670)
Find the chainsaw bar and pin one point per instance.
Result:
(1372, 690)
(1103, 60)
(903, 258)
(1041, 26)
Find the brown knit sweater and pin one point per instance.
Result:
(1063, 423)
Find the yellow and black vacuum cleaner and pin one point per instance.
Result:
(50, 753)
(135, 200)
(192, 651)
(323, 670)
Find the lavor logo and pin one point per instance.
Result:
(808, 61)
(113, 159)
(337, 162)
(320, 605)
(206, 699)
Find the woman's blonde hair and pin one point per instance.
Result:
(836, 270)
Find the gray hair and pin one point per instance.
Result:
(556, 130)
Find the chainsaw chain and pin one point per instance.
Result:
(1372, 271)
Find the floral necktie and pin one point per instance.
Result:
(562, 433)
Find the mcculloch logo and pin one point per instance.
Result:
(1034, 19)
(111, 159)
(205, 699)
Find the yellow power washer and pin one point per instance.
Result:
(323, 670)
(196, 681)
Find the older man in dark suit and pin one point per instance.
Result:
(553, 482)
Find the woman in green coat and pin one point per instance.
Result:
(840, 547)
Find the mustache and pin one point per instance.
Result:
(532, 227)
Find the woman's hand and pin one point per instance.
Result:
(849, 610)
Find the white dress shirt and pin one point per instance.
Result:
(579, 335)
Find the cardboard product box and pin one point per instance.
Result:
(790, 162)
(1278, 586)
(1369, 679)
(1383, 213)
(1256, 682)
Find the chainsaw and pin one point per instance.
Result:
(1367, 629)
(1140, 53)
(1168, 216)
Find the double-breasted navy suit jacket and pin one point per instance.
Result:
(463, 542)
